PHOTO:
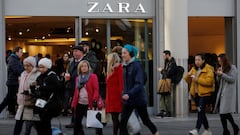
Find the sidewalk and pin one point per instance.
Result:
(166, 126)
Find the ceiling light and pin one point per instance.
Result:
(97, 30)
(69, 28)
(86, 33)
(9, 38)
(49, 34)
(43, 37)
(20, 33)
(27, 29)
(35, 39)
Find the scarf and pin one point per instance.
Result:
(82, 80)
(23, 85)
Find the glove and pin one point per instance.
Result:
(25, 92)
(94, 104)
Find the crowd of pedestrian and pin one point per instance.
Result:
(38, 92)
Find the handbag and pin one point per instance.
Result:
(164, 86)
(133, 124)
(41, 103)
(94, 119)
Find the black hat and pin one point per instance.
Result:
(78, 47)
(83, 43)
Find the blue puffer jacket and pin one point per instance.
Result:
(14, 70)
(134, 84)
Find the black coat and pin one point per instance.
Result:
(49, 84)
(169, 69)
(14, 70)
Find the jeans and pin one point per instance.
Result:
(201, 106)
(10, 100)
(18, 127)
(142, 111)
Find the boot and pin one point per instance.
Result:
(236, 130)
(226, 132)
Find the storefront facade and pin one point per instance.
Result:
(163, 22)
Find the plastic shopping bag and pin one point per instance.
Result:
(133, 124)
(94, 119)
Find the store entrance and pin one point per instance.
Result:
(213, 36)
(56, 35)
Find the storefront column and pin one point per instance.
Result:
(158, 35)
(237, 39)
(230, 45)
(78, 28)
(2, 55)
(176, 40)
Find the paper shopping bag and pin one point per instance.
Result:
(94, 119)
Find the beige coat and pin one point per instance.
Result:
(26, 103)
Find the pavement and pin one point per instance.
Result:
(166, 126)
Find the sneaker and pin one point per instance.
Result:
(207, 132)
(193, 132)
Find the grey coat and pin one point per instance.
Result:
(227, 92)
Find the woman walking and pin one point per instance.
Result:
(24, 98)
(134, 96)
(226, 97)
(86, 95)
(114, 83)
(201, 80)
(48, 89)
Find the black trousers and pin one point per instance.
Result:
(81, 111)
(116, 122)
(224, 118)
(43, 126)
(10, 100)
(201, 107)
(142, 111)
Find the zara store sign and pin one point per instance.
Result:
(118, 7)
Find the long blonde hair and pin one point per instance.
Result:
(113, 59)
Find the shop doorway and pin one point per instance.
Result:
(56, 35)
(207, 35)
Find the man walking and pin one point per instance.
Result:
(14, 70)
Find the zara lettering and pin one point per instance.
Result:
(122, 8)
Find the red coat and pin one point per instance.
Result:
(92, 90)
(114, 88)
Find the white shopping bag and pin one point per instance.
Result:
(133, 124)
(93, 117)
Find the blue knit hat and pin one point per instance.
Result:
(131, 49)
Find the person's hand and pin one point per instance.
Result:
(125, 97)
(94, 104)
(194, 78)
(160, 69)
(219, 72)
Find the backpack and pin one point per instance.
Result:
(178, 74)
